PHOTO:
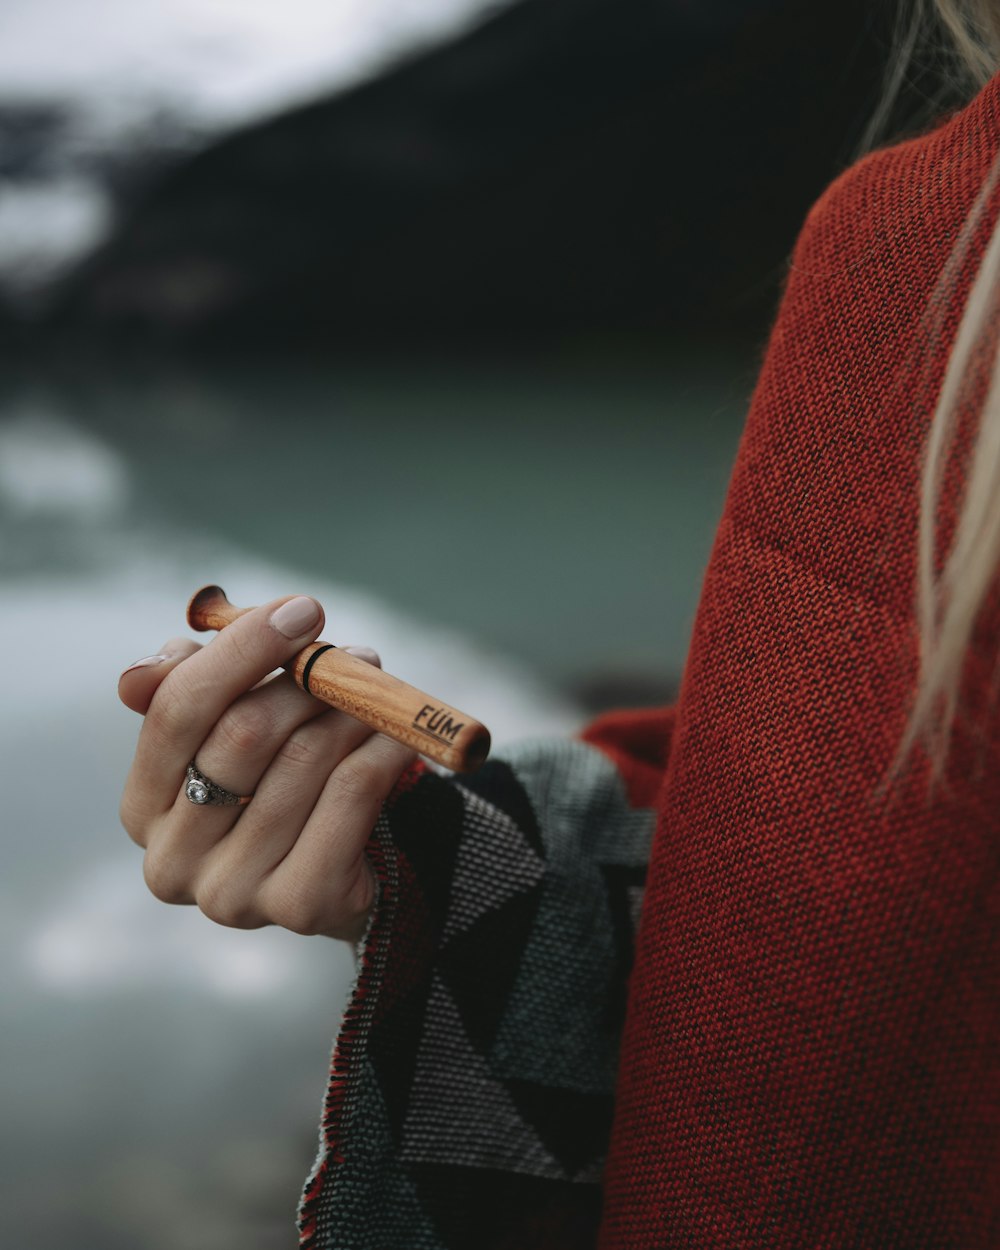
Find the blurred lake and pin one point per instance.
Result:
(524, 537)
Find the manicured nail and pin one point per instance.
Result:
(296, 617)
(147, 661)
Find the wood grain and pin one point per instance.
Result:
(429, 726)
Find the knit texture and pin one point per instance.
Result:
(810, 1056)
(812, 1051)
(472, 1084)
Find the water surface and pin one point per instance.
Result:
(504, 534)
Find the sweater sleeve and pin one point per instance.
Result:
(470, 1094)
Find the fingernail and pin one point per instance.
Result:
(147, 661)
(296, 617)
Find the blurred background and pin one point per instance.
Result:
(445, 311)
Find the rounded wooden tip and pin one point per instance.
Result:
(381, 701)
(476, 751)
(207, 606)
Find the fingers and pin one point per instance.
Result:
(253, 730)
(193, 696)
(301, 748)
(324, 884)
(259, 726)
(140, 681)
(295, 855)
(298, 860)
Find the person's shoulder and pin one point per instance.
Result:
(906, 186)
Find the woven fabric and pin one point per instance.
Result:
(472, 1084)
(812, 1054)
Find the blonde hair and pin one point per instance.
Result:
(974, 27)
(948, 602)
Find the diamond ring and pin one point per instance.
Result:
(204, 792)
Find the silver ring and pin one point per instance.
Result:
(204, 792)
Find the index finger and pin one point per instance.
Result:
(195, 694)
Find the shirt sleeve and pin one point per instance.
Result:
(471, 1087)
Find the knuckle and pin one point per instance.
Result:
(130, 820)
(221, 903)
(245, 727)
(348, 908)
(390, 758)
(336, 906)
(173, 708)
(360, 897)
(356, 780)
(300, 750)
(299, 912)
(363, 779)
(248, 645)
(163, 880)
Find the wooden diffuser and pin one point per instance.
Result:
(389, 705)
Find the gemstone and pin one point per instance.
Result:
(197, 791)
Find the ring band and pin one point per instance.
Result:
(204, 792)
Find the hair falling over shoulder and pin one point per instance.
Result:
(951, 586)
(974, 29)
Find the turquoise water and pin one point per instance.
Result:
(561, 511)
(505, 533)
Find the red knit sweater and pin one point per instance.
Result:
(811, 1055)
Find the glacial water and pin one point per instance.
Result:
(509, 536)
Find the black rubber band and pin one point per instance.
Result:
(310, 662)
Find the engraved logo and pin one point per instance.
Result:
(437, 722)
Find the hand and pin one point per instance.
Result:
(294, 856)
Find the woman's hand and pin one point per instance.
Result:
(295, 854)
